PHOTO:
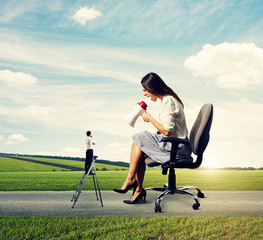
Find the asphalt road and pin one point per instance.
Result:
(216, 203)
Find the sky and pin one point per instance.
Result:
(71, 66)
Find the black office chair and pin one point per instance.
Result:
(198, 138)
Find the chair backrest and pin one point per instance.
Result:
(199, 135)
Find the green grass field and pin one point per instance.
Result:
(68, 180)
(14, 165)
(18, 175)
(131, 228)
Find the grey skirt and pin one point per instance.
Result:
(151, 145)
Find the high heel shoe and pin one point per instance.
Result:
(122, 191)
(141, 196)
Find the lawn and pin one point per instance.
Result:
(80, 164)
(17, 175)
(131, 228)
(68, 180)
(14, 165)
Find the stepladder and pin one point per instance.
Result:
(90, 172)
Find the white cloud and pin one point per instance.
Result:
(16, 139)
(116, 152)
(37, 113)
(88, 60)
(236, 134)
(86, 14)
(65, 152)
(232, 65)
(72, 152)
(12, 79)
(1, 138)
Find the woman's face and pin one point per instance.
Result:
(148, 94)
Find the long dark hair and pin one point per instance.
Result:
(155, 85)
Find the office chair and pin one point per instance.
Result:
(198, 138)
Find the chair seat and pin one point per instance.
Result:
(151, 163)
(178, 164)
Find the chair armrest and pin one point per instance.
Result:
(175, 140)
(175, 143)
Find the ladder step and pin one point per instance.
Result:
(74, 197)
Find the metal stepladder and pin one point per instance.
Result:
(92, 172)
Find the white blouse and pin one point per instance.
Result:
(172, 117)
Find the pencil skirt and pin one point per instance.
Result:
(153, 147)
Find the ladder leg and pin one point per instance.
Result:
(95, 187)
(98, 187)
(79, 189)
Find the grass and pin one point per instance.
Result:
(68, 180)
(80, 164)
(17, 175)
(131, 228)
(14, 165)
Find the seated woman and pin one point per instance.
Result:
(171, 123)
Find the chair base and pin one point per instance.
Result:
(178, 190)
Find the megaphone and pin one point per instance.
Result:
(138, 110)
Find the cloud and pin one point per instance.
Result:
(15, 79)
(37, 113)
(116, 151)
(73, 152)
(85, 14)
(232, 65)
(65, 152)
(84, 59)
(235, 134)
(16, 139)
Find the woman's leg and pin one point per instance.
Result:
(139, 177)
(136, 160)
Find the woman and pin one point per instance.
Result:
(171, 123)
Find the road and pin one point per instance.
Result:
(216, 203)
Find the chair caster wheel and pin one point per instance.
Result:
(158, 208)
(200, 195)
(196, 206)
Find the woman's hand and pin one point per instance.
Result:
(146, 117)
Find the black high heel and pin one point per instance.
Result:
(122, 191)
(141, 196)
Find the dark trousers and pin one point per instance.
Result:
(89, 157)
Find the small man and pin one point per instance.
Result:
(90, 141)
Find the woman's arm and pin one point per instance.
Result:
(147, 117)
